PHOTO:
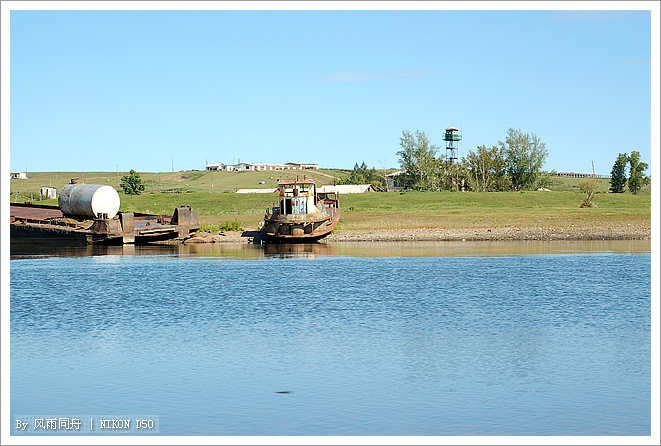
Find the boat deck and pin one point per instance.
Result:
(49, 221)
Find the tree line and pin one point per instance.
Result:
(515, 164)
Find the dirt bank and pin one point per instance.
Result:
(500, 234)
(463, 234)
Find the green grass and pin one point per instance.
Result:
(413, 209)
(220, 208)
(187, 181)
(566, 184)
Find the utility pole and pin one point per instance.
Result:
(385, 178)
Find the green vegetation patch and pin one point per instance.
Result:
(229, 225)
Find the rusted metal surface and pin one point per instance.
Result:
(48, 222)
(185, 219)
(35, 212)
(303, 214)
(128, 227)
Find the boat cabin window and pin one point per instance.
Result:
(286, 206)
(294, 205)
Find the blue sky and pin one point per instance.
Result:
(94, 90)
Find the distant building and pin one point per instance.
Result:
(19, 176)
(581, 175)
(216, 166)
(302, 166)
(256, 191)
(258, 167)
(347, 188)
(394, 182)
(48, 192)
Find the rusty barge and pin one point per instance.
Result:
(88, 214)
(304, 215)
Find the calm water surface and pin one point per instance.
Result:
(388, 339)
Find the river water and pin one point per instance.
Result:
(395, 339)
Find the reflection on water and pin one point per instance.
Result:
(19, 250)
(353, 249)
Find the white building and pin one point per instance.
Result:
(393, 181)
(302, 166)
(258, 167)
(256, 191)
(48, 192)
(216, 166)
(347, 188)
(19, 176)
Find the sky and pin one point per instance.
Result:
(162, 90)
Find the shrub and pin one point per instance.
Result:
(590, 187)
(231, 225)
(131, 184)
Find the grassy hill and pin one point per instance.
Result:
(186, 181)
(211, 196)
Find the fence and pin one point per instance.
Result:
(580, 175)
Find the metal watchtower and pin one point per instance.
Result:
(451, 138)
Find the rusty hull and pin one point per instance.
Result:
(28, 221)
(299, 228)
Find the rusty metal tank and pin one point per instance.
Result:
(88, 200)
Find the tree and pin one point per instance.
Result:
(590, 187)
(636, 169)
(524, 157)
(418, 161)
(131, 184)
(618, 174)
(485, 166)
(545, 180)
(362, 175)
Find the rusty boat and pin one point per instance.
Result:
(89, 214)
(303, 214)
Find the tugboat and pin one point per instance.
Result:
(304, 215)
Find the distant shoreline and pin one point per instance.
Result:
(451, 235)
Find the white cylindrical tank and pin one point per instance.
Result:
(88, 200)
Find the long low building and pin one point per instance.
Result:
(347, 188)
(256, 191)
(581, 175)
(256, 167)
(340, 189)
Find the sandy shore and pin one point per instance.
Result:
(463, 234)
(500, 234)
